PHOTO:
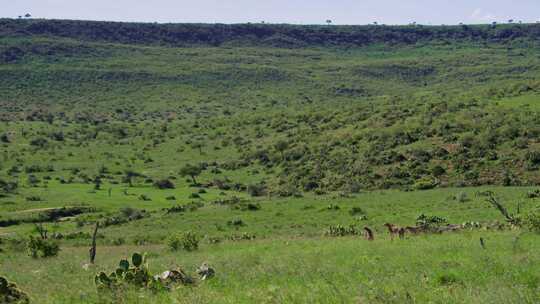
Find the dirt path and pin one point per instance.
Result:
(36, 210)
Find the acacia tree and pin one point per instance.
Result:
(191, 171)
(281, 146)
(129, 176)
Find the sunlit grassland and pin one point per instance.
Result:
(449, 268)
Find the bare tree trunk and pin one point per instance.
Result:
(42, 231)
(495, 203)
(93, 248)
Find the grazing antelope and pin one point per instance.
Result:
(449, 228)
(401, 233)
(395, 230)
(414, 230)
(369, 234)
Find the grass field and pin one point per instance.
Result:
(290, 259)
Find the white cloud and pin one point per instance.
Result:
(480, 15)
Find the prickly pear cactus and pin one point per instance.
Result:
(136, 274)
(10, 294)
(125, 274)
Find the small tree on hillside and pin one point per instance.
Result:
(191, 171)
(281, 146)
(129, 176)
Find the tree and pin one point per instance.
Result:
(97, 183)
(281, 146)
(5, 138)
(128, 177)
(198, 145)
(191, 171)
(328, 21)
(7, 187)
(27, 15)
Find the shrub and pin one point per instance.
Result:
(256, 189)
(175, 209)
(339, 230)
(41, 248)
(5, 138)
(164, 184)
(33, 198)
(356, 211)
(39, 142)
(448, 279)
(188, 241)
(242, 237)
(430, 221)
(132, 213)
(532, 221)
(461, 197)
(144, 197)
(8, 187)
(533, 159)
(533, 193)
(425, 183)
(247, 206)
(438, 171)
(332, 207)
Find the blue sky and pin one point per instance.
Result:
(280, 11)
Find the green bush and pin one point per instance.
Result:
(339, 230)
(532, 221)
(430, 221)
(188, 241)
(425, 183)
(448, 279)
(40, 248)
(356, 211)
(164, 184)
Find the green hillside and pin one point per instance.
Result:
(427, 109)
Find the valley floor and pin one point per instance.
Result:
(290, 260)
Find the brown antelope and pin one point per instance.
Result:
(369, 234)
(414, 230)
(395, 230)
(448, 228)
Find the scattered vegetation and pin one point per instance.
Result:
(42, 248)
(188, 241)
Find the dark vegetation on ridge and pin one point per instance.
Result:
(264, 34)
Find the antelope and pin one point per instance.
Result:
(369, 234)
(395, 230)
(414, 230)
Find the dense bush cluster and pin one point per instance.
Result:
(42, 248)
